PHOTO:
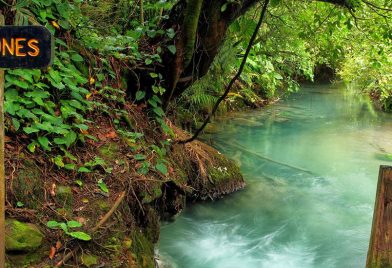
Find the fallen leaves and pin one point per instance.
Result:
(55, 24)
(92, 81)
(108, 135)
(54, 249)
(52, 252)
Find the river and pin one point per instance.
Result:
(311, 165)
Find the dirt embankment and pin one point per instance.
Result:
(123, 221)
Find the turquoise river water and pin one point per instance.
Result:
(311, 165)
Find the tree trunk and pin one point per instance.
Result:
(201, 33)
(201, 27)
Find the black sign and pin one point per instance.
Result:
(28, 47)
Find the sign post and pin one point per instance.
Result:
(27, 47)
(2, 172)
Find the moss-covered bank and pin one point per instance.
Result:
(39, 191)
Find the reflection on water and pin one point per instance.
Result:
(311, 164)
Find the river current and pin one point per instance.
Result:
(311, 164)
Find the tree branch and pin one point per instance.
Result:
(235, 78)
(377, 7)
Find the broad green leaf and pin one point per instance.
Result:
(161, 168)
(70, 138)
(16, 124)
(103, 186)
(60, 141)
(44, 142)
(139, 157)
(70, 166)
(58, 160)
(55, 75)
(77, 58)
(32, 146)
(80, 235)
(153, 75)
(73, 224)
(11, 80)
(84, 170)
(140, 95)
(52, 224)
(172, 49)
(30, 130)
(224, 7)
(64, 227)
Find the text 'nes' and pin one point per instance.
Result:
(25, 47)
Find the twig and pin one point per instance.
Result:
(377, 7)
(110, 212)
(96, 227)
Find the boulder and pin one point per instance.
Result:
(21, 236)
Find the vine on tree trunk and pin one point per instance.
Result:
(234, 79)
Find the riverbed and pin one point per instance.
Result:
(311, 165)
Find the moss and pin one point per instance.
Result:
(89, 260)
(152, 225)
(64, 213)
(223, 170)
(23, 237)
(114, 242)
(109, 151)
(64, 197)
(224, 177)
(26, 260)
(143, 249)
(151, 195)
(101, 206)
(127, 243)
(28, 185)
(191, 19)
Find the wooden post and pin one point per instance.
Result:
(2, 173)
(380, 245)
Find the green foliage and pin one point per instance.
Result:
(201, 96)
(368, 61)
(96, 162)
(49, 105)
(159, 153)
(52, 106)
(66, 226)
(280, 56)
(96, 40)
(103, 186)
(294, 40)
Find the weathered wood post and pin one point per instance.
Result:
(380, 245)
(2, 172)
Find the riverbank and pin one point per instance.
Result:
(112, 199)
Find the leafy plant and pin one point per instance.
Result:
(90, 165)
(66, 226)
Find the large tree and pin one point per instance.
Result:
(201, 27)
